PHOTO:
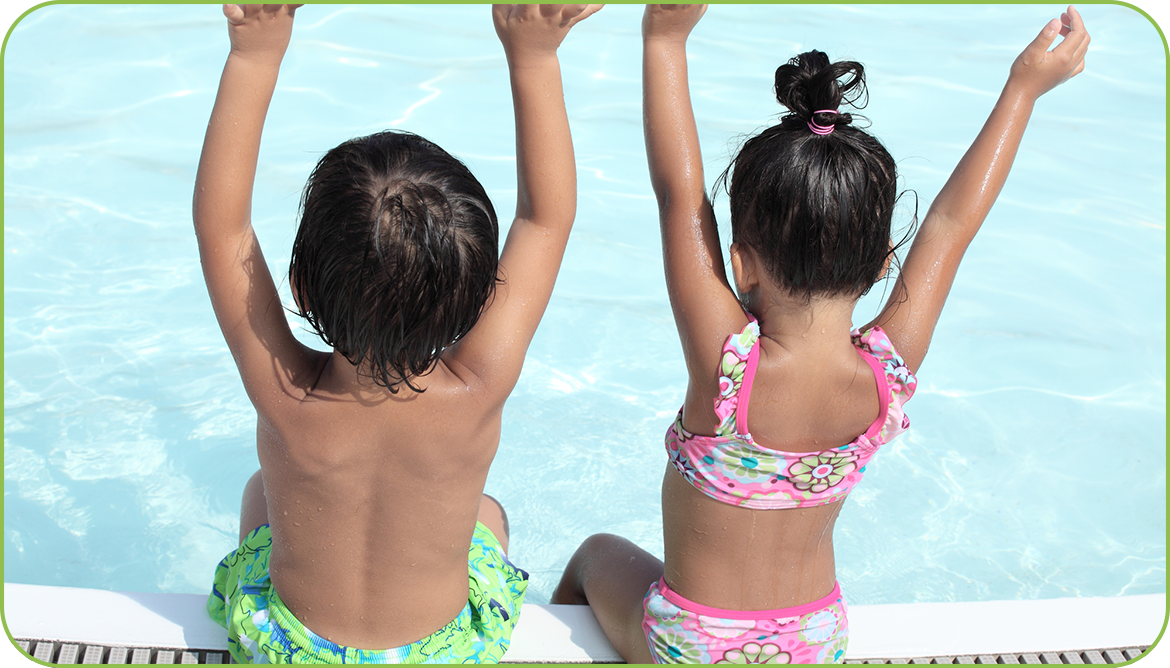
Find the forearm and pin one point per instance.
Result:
(672, 140)
(967, 197)
(546, 170)
(227, 166)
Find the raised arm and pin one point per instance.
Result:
(705, 308)
(910, 315)
(270, 360)
(546, 196)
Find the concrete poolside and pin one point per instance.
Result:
(69, 625)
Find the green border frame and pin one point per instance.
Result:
(12, 12)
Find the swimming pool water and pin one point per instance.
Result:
(1035, 464)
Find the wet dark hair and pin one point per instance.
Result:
(396, 254)
(817, 209)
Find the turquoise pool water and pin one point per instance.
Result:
(1035, 466)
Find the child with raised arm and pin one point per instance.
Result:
(749, 505)
(366, 527)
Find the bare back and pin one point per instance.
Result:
(743, 559)
(372, 501)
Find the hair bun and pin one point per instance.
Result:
(809, 84)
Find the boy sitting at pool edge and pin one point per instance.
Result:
(366, 522)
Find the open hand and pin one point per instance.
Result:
(1038, 70)
(537, 28)
(260, 31)
(670, 21)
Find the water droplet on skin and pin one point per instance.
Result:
(296, 524)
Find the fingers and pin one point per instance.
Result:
(1076, 36)
(500, 14)
(1070, 53)
(1039, 46)
(574, 14)
(508, 17)
(1078, 55)
(1075, 44)
(237, 14)
(234, 13)
(1075, 21)
(586, 11)
(671, 21)
(569, 15)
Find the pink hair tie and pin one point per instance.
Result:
(822, 129)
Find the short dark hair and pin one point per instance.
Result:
(396, 254)
(816, 208)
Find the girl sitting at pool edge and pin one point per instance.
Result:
(749, 507)
(366, 522)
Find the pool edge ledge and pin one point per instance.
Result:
(570, 634)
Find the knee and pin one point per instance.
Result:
(603, 543)
(493, 504)
(592, 550)
(605, 564)
(603, 554)
(253, 506)
(492, 515)
(255, 484)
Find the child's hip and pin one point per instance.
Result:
(682, 631)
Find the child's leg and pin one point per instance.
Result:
(492, 516)
(612, 575)
(254, 507)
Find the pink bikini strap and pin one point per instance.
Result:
(749, 375)
(883, 386)
(745, 389)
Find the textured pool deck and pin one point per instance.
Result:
(69, 625)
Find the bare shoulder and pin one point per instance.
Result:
(464, 375)
(286, 380)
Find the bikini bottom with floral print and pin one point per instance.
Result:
(682, 631)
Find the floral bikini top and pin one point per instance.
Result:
(730, 467)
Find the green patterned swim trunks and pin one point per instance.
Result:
(261, 630)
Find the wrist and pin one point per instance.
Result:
(666, 41)
(265, 58)
(528, 58)
(1016, 92)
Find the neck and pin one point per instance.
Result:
(796, 323)
(344, 377)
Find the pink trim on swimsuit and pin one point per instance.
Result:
(681, 631)
(730, 466)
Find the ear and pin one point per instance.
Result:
(889, 258)
(744, 268)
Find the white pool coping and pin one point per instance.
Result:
(561, 633)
